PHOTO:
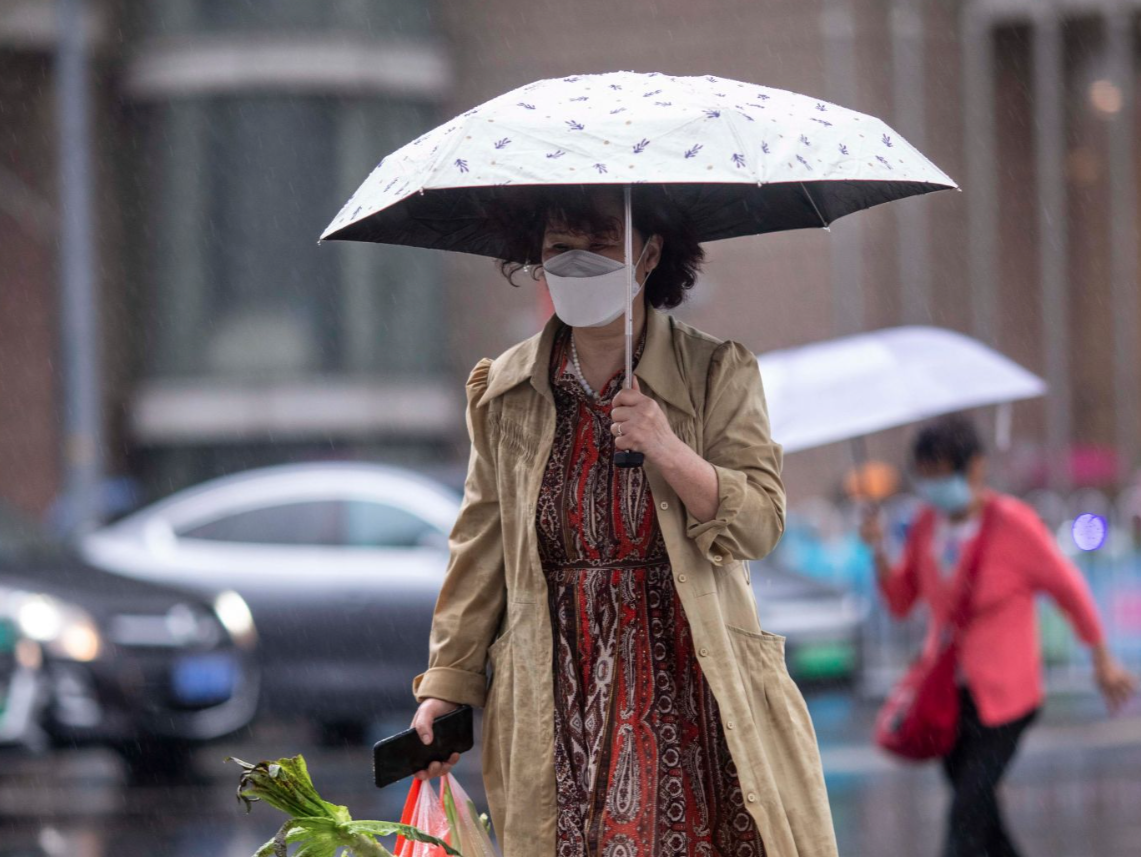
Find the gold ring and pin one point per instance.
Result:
(619, 429)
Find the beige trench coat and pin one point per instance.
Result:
(493, 604)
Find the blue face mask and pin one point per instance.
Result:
(949, 494)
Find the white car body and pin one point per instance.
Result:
(343, 627)
(341, 584)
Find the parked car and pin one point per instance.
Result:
(340, 563)
(88, 656)
(823, 623)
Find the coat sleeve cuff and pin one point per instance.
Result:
(452, 685)
(731, 485)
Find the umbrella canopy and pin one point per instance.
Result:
(853, 386)
(734, 158)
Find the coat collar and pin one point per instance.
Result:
(658, 370)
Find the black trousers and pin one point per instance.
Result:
(974, 768)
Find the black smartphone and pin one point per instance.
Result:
(403, 754)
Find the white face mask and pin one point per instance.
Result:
(587, 289)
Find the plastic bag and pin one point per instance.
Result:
(468, 831)
(423, 809)
(452, 817)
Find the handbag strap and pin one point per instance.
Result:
(963, 609)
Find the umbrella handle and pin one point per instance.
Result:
(628, 458)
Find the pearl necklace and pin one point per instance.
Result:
(578, 368)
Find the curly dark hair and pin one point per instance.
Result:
(952, 440)
(522, 222)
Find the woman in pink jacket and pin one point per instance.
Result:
(999, 653)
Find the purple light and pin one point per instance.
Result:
(1089, 531)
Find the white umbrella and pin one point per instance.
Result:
(732, 158)
(849, 387)
(741, 159)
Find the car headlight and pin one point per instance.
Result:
(235, 616)
(63, 629)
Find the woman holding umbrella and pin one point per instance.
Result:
(630, 560)
(966, 529)
(635, 705)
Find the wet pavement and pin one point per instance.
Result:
(1075, 791)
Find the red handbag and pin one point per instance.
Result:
(920, 718)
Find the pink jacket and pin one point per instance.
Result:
(999, 649)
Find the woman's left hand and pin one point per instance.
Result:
(639, 424)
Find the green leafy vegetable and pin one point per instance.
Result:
(318, 827)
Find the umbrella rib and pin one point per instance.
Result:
(823, 222)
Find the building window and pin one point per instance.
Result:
(372, 17)
(235, 191)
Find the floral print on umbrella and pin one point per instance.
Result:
(682, 130)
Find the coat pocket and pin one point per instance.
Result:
(774, 700)
(791, 757)
(761, 661)
(774, 642)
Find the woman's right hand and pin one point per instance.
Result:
(426, 715)
(871, 527)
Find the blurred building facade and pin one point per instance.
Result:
(228, 134)
(224, 135)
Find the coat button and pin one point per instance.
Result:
(704, 652)
(681, 578)
(729, 724)
(716, 559)
(664, 505)
(752, 798)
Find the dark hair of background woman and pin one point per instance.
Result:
(948, 440)
(522, 225)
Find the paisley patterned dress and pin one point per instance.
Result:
(641, 761)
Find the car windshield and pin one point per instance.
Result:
(21, 538)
